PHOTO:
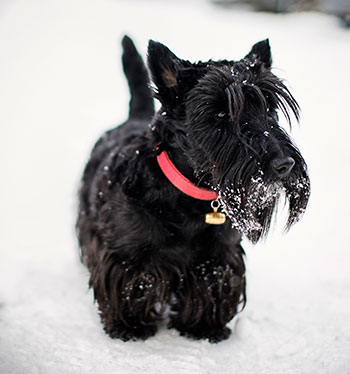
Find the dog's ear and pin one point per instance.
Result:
(172, 76)
(163, 65)
(164, 68)
(262, 52)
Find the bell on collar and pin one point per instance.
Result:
(215, 217)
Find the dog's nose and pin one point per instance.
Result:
(282, 166)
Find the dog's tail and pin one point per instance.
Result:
(141, 103)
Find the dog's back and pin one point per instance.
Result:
(141, 110)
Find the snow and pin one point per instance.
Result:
(61, 87)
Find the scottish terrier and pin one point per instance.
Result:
(157, 190)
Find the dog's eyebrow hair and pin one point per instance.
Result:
(284, 99)
(235, 101)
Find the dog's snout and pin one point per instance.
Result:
(282, 166)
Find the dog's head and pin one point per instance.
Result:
(223, 115)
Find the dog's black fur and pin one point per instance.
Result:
(145, 242)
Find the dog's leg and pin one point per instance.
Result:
(131, 299)
(209, 297)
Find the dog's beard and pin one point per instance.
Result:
(251, 208)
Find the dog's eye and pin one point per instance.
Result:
(221, 114)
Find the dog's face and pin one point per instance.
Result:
(223, 115)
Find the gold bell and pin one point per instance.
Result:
(215, 218)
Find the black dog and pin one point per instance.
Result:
(149, 225)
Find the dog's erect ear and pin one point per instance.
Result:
(262, 52)
(172, 76)
(163, 65)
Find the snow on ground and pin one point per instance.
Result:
(61, 86)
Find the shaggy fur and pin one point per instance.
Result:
(145, 243)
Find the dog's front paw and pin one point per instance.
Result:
(219, 334)
(213, 335)
(118, 330)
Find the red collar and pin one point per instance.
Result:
(181, 182)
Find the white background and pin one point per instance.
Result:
(61, 86)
